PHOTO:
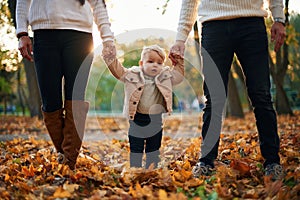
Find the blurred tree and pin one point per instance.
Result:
(279, 65)
(198, 63)
(8, 60)
(293, 71)
(242, 88)
(33, 100)
(5, 88)
(235, 108)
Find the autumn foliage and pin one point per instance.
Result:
(29, 170)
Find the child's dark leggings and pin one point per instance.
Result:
(145, 134)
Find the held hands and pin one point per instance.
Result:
(109, 52)
(278, 35)
(177, 52)
(25, 48)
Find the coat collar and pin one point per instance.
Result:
(137, 69)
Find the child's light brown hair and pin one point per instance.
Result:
(161, 52)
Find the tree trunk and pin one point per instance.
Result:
(278, 72)
(234, 103)
(281, 100)
(197, 45)
(34, 99)
(237, 68)
(5, 104)
(12, 8)
(196, 39)
(19, 92)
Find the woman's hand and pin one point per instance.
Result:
(25, 47)
(177, 51)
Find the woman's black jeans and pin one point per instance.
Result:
(62, 54)
(247, 38)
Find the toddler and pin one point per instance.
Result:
(148, 94)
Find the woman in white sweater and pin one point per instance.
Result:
(235, 27)
(62, 50)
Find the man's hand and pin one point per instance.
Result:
(109, 52)
(25, 47)
(177, 51)
(278, 35)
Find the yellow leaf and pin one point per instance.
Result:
(40, 169)
(61, 193)
(7, 177)
(186, 165)
(70, 187)
(94, 169)
(162, 195)
(28, 172)
(182, 175)
(178, 184)
(96, 157)
(194, 182)
(180, 196)
(132, 192)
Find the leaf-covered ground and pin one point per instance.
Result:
(28, 169)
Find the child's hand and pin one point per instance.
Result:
(176, 59)
(109, 52)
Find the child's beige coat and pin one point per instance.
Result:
(134, 81)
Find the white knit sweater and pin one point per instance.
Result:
(223, 9)
(63, 14)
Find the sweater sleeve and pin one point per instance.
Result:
(22, 11)
(101, 19)
(276, 8)
(188, 16)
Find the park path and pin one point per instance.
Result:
(182, 125)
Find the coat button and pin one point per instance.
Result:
(131, 79)
(139, 88)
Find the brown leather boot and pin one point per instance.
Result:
(54, 122)
(73, 131)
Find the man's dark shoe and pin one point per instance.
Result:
(275, 171)
(61, 159)
(202, 169)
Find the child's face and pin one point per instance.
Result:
(152, 63)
